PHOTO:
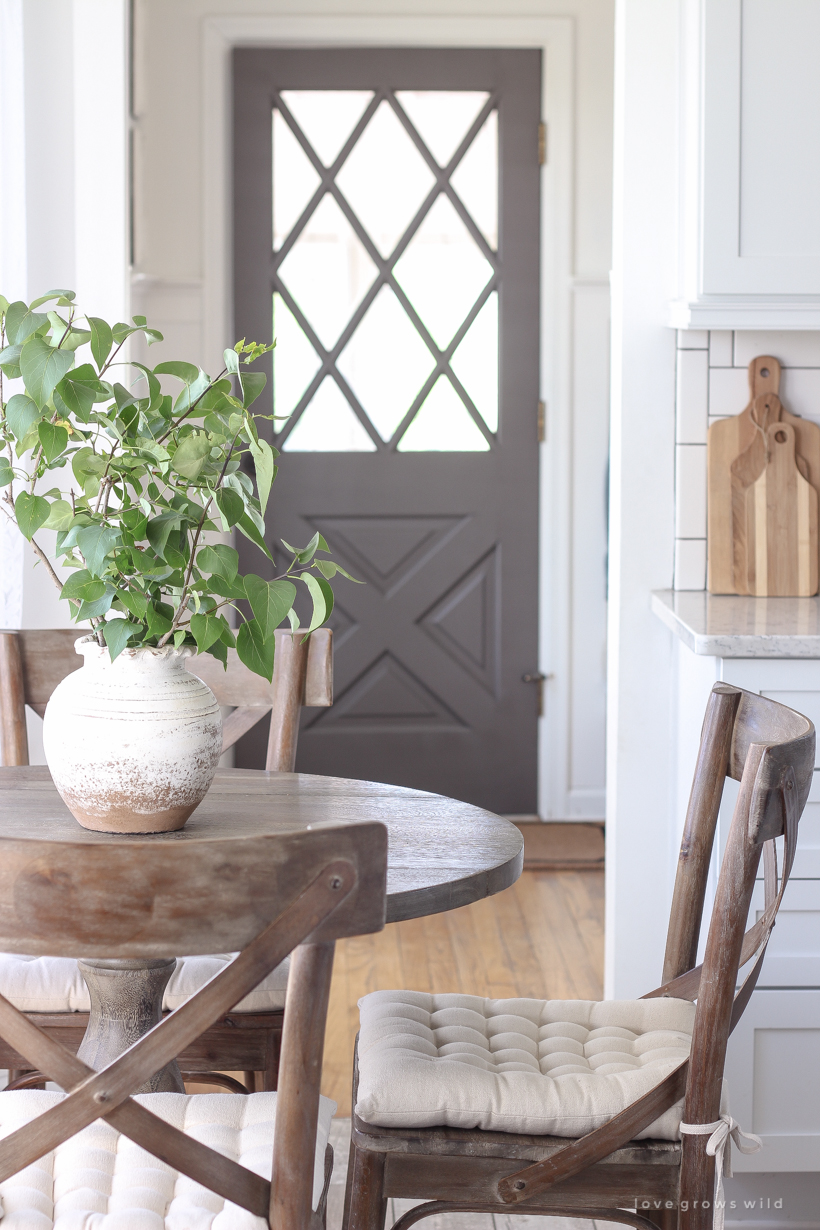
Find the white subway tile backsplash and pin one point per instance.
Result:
(800, 391)
(693, 339)
(721, 347)
(794, 348)
(712, 383)
(692, 396)
(690, 491)
(690, 563)
(728, 390)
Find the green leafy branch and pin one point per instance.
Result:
(144, 478)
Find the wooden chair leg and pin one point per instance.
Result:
(365, 1202)
(267, 1080)
(664, 1219)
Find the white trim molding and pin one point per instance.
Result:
(555, 36)
(746, 312)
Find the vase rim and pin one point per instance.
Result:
(87, 646)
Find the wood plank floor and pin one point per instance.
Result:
(543, 938)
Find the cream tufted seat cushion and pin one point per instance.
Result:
(55, 984)
(100, 1180)
(551, 1067)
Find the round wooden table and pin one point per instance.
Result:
(442, 854)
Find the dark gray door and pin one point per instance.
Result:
(386, 208)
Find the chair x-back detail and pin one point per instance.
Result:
(32, 663)
(468, 1104)
(265, 896)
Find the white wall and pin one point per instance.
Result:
(640, 759)
(181, 275)
(63, 200)
(63, 211)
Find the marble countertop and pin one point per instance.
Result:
(735, 626)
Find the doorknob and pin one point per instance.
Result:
(540, 679)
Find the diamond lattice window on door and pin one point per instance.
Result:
(386, 269)
(386, 209)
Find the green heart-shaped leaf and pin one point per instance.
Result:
(231, 505)
(95, 542)
(219, 559)
(102, 339)
(21, 322)
(42, 367)
(53, 439)
(83, 587)
(265, 470)
(270, 602)
(254, 650)
(117, 633)
(322, 596)
(21, 415)
(60, 516)
(191, 455)
(31, 512)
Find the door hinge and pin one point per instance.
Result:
(542, 144)
(540, 679)
(542, 421)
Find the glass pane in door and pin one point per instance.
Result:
(387, 278)
(442, 118)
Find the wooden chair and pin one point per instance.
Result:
(667, 1181)
(305, 890)
(32, 663)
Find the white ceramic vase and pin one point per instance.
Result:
(133, 744)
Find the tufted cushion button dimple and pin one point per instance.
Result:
(560, 1044)
(604, 1045)
(548, 1067)
(507, 1024)
(100, 1180)
(563, 1059)
(510, 1040)
(564, 1029)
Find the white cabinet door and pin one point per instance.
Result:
(761, 147)
(773, 1069)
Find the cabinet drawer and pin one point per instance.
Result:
(793, 956)
(807, 859)
(773, 1070)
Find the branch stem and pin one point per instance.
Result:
(192, 407)
(184, 596)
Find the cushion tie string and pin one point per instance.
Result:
(719, 1133)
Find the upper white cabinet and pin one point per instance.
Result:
(750, 154)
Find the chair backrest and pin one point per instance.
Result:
(34, 661)
(265, 895)
(770, 750)
(743, 735)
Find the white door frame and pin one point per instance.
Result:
(555, 37)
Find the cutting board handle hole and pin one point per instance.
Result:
(764, 371)
(780, 437)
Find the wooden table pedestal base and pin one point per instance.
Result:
(126, 1001)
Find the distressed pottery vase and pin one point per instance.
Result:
(132, 745)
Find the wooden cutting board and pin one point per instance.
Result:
(780, 537)
(727, 440)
